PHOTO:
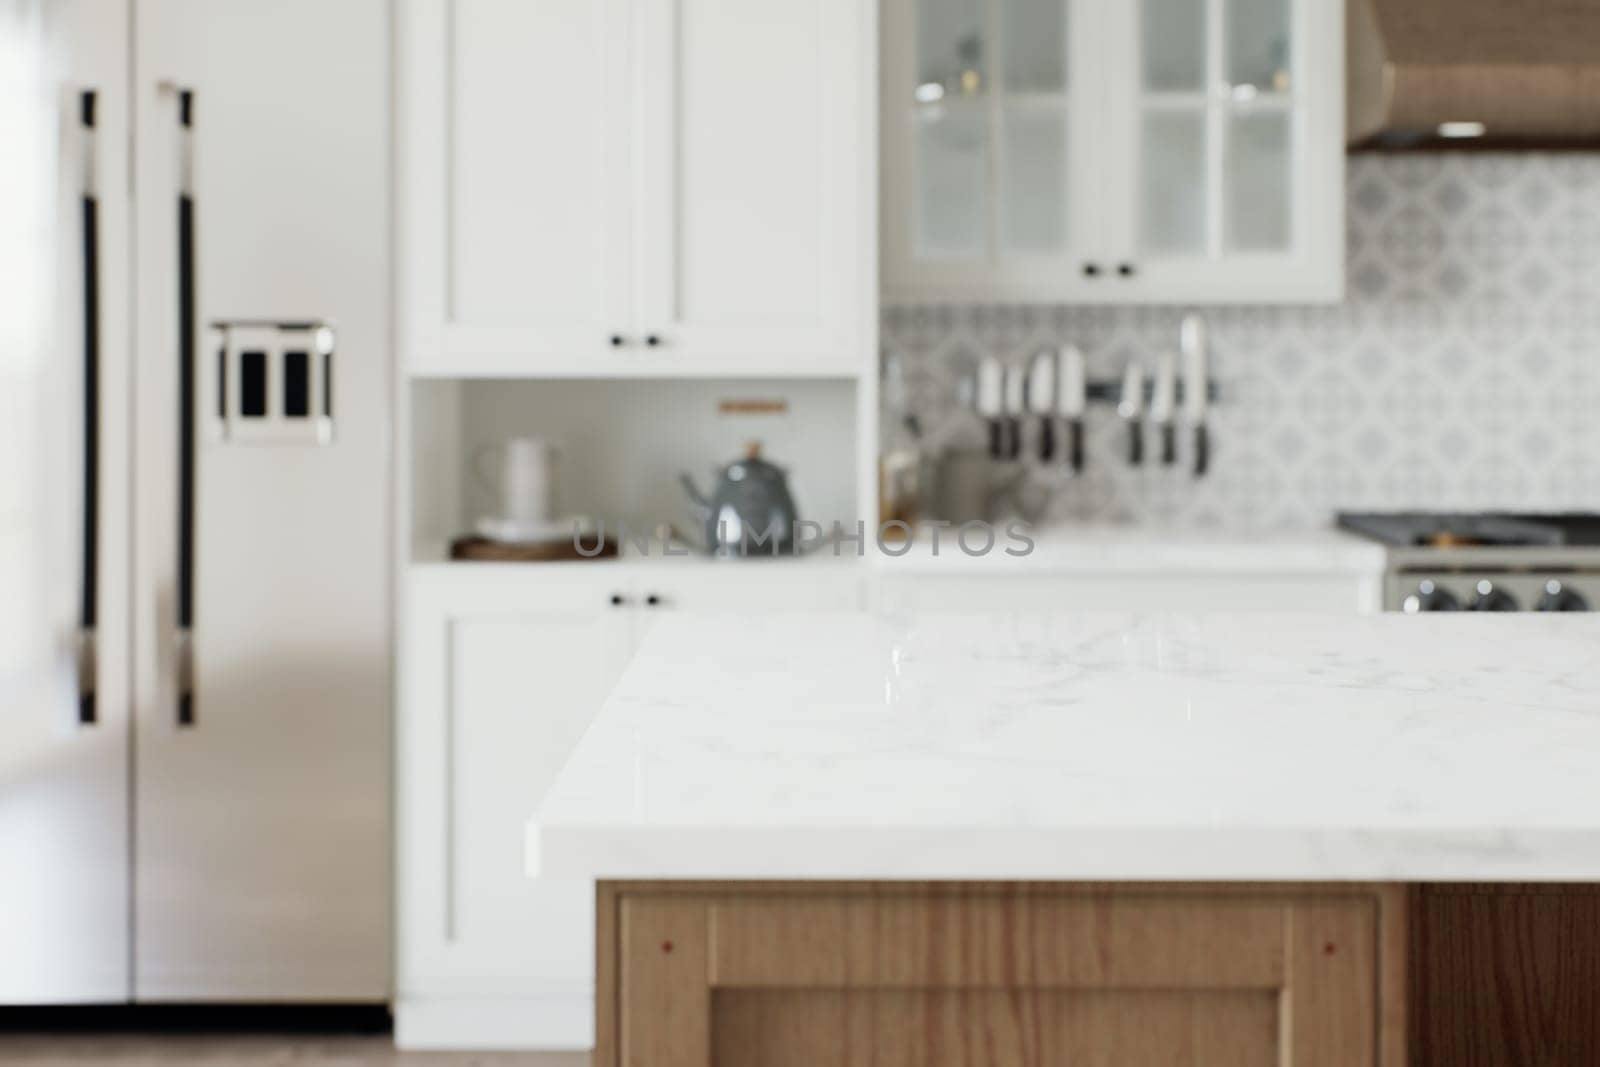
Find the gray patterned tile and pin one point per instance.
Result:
(1463, 370)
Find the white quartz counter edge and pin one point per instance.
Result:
(1069, 746)
(1114, 854)
(1101, 550)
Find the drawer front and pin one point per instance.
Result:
(956, 975)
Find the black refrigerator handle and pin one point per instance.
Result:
(184, 644)
(89, 596)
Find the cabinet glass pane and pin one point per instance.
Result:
(1258, 179)
(1258, 44)
(1173, 184)
(1035, 45)
(950, 49)
(952, 159)
(1033, 180)
(1173, 39)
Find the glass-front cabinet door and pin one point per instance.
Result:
(1228, 122)
(988, 112)
(1113, 150)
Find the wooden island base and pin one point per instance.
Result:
(744, 974)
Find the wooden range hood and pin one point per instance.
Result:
(1489, 72)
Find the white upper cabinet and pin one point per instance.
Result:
(515, 168)
(1103, 151)
(637, 187)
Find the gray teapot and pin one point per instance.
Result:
(749, 511)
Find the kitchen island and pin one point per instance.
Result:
(1007, 839)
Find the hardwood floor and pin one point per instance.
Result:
(206, 1050)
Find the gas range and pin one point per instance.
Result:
(1495, 561)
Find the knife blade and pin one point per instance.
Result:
(1163, 396)
(1073, 400)
(1195, 343)
(1042, 401)
(1131, 407)
(989, 403)
(1016, 389)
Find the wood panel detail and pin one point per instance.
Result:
(984, 1027)
(666, 1001)
(998, 975)
(1506, 976)
(991, 941)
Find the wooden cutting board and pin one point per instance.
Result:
(472, 547)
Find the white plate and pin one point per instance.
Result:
(524, 532)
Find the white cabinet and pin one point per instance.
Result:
(598, 187)
(1113, 151)
(500, 678)
(502, 669)
(515, 176)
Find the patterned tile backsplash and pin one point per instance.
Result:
(1462, 370)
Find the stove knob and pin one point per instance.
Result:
(1559, 598)
(1430, 597)
(1488, 598)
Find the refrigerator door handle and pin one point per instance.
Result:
(88, 607)
(183, 644)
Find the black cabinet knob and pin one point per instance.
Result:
(1091, 270)
(653, 341)
(652, 600)
(616, 340)
(617, 600)
(1125, 269)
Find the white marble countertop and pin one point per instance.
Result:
(1107, 549)
(1091, 747)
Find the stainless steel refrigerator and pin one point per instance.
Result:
(195, 510)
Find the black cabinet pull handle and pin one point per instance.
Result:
(652, 600)
(187, 312)
(1091, 270)
(617, 340)
(617, 600)
(1126, 270)
(653, 341)
(88, 607)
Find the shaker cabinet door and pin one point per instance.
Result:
(594, 188)
(755, 231)
(514, 168)
(502, 674)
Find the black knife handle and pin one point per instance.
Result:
(1135, 442)
(1202, 450)
(1075, 444)
(1169, 444)
(1047, 439)
(997, 438)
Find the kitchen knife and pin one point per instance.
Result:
(1073, 400)
(990, 399)
(1016, 387)
(1163, 398)
(1131, 407)
(1196, 382)
(1042, 401)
